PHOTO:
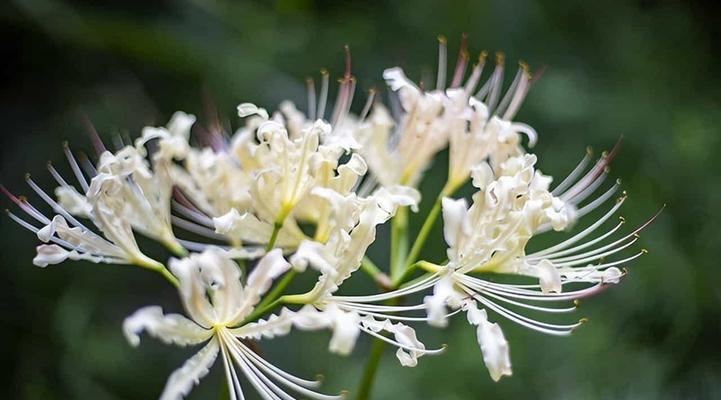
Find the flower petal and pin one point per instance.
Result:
(182, 380)
(170, 328)
(492, 342)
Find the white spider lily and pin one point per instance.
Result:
(217, 302)
(476, 126)
(491, 237)
(341, 255)
(125, 188)
(69, 238)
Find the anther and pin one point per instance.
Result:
(500, 58)
(442, 39)
(577, 303)
(644, 251)
(482, 57)
(622, 218)
(589, 150)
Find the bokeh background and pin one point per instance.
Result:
(647, 70)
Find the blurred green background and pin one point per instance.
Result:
(647, 70)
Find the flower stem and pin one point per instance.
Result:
(277, 225)
(399, 242)
(277, 290)
(427, 226)
(149, 263)
(369, 372)
(378, 276)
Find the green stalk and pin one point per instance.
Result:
(277, 290)
(399, 242)
(369, 372)
(378, 276)
(427, 226)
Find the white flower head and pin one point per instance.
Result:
(217, 302)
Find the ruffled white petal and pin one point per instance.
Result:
(492, 342)
(170, 328)
(182, 380)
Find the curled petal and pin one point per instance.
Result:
(248, 109)
(455, 221)
(492, 342)
(182, 380)
(443, 294)
(50, 254)
(549, 277)
(170, 328)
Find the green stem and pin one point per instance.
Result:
(369, 372)
(277, 290)
(380, 277)
(169, 277)
(399, 242)
(277, 225)
(427, 226)
(149, 263)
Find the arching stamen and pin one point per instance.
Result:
(520, 93)
(399, 345)
(52, 203)
(509, 93)
(310, 85)
(599, 200)
(461, 63)
(582, 246)
(496, 83)
(58, 178)
(75, 167)
(594, 172)
(381, 308)
(442, 62)
(298, 381)
(527, 294)
(98, 144)
(198, 229)
(368, 105)
(568, 242)
(283, 377)
(475, 74)
(88, 166)
(599, 253)
(230, 375)
(601, 266)
(538, 326)
(551, 310)
(571, 178)
(417, 287)
(324, 78)
(588, 190)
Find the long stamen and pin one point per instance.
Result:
(582, 246)
(55, 206)
(594, 172)
(520, 93)
(310, 85)
(461, 63)
(368, 105)
(75, 167)
(571, 178)
(568, 242)
(475, 74)
(400, 345)
(324, 78)
(442, 62)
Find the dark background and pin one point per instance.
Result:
(647, 70)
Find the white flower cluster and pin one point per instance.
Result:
(302, 192)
